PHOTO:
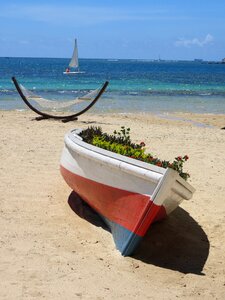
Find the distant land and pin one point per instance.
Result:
(197, 60)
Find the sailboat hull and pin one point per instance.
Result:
(75, 72)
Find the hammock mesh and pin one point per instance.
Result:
(56, 104)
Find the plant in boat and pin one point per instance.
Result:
(120, 143)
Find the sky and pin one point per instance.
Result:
(125, 29)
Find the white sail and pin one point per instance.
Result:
(74, 60)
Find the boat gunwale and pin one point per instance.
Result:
(73, 136)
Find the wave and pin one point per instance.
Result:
(116, 91)
(6, 91)
(205, 94)
(167, 93)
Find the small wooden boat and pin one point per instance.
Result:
(128, 194)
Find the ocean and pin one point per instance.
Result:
(134, 85)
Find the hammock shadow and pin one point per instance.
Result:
(53, 119)
(177, 243)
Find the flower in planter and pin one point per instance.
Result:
(120, 143)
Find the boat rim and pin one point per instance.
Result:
(72, 138)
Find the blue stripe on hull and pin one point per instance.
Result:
(126, 241)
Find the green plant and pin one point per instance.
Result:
(122, 149)
(89, 133)
(120, 142)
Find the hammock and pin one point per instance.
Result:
(36, 103)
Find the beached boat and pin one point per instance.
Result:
(128, 194)
(74, 62)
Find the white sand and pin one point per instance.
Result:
(48, 252)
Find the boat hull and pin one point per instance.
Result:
(72, 73)
(128, 195)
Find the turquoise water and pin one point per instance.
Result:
(134, 85)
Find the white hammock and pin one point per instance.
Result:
(55, 104)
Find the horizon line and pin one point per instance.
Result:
(113, 59)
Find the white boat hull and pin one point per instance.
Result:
(72, 73)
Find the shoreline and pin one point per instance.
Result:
(47, 250)
(197, 119)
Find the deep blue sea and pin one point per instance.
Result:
(134, 85)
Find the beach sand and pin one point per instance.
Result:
(47, 251)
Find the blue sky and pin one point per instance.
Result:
(144, 29)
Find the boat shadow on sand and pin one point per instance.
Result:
(177, 243)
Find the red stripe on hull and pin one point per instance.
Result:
(131, 210)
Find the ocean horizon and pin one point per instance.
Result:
(135, 85)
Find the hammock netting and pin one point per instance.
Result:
(58, 105)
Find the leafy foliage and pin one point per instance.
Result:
(120, 143)
(89, 133)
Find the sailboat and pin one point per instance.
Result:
(74, 63)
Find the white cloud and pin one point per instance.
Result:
(195, 41)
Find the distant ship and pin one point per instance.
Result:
(110, 59)
(222, 62)
(198, 60)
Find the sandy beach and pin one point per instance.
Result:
(48, 251)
